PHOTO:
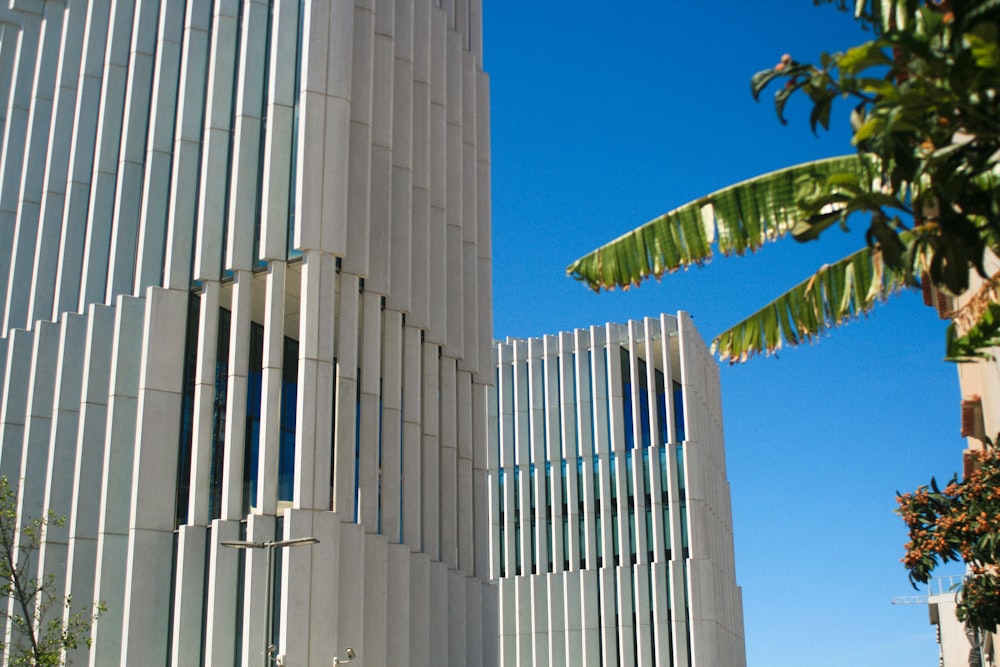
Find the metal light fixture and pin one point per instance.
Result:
(350, 656)
(269, 548)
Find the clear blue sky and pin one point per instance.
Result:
(606, 113)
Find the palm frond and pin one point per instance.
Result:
(735, 220)
(835, 294)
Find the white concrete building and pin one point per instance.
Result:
(609, 506)
(245, 295)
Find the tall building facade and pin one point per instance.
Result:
(610, 513)
(245, 296)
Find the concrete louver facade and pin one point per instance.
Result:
(245, 295)
(610, 513)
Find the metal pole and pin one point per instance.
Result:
(269, 602)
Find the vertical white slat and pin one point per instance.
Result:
(406, 102)
(269, 447)
(15, 143)
(86, 489)
(643, 628)
(586, 452)
(536, 426)
(370, 358)
(215, 140)
(58, 496)
(154, 479)
(314, 431)
(337, 128)
(552, 418)
(557, 615)
(236, 395)
(27, 200)
(625, 631)
(430, 446)
(522, 456)
(453, 195)
(606, 626)
(124, 232)
(345, 485)
(10, 29)
(448, 486)
(522, 622)
(278, 147)
(570, 445)
(381, 253)
(189, 592)
(467, 499)
(438, 616)
(397, 624)
(104, 176)
(590, 617)
(77, 188)
(538, 637)
(160, 144)
(310, 151)
(484, 484)
(223, 589)
(184, 204)
(244, 163)
(203, 417)
(437, 221)
(376, 606)
(116, 479)
(359, 168)
(459, 619)
(488, 475)
(260, 528)
(392, 428)
(17, 374)
(53, 196)
(297, 583)
(483, 242)
(471, 290)
(412, 441)
(420, 608)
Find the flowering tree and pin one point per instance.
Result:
(960, 522)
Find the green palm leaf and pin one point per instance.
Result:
(735, 220)
(835, 294)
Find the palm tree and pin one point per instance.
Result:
(926, 171)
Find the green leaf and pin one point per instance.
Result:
(835, 294)
(741, 218)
